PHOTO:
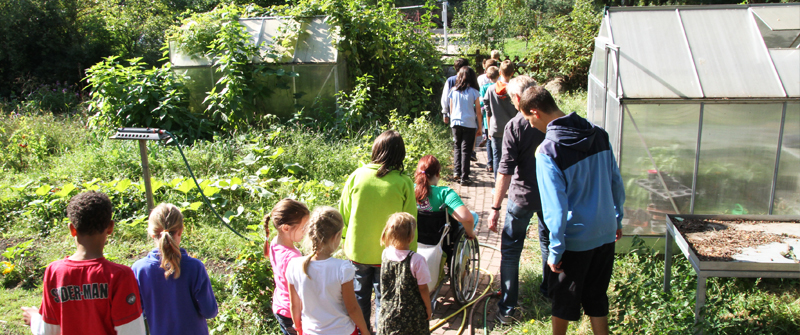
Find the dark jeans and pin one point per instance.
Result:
(489, 150)
(368, 278)
(512, 241)
(462, 149)
(497, 151)
(287, 325)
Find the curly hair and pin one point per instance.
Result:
(90, 212)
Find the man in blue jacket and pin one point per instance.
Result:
(582, 195)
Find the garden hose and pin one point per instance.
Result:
(463, 308)
(485, 314)
(472, 312)
(205, 199)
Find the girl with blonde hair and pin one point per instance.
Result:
(323, 298)
(404, 281)
(170, 281)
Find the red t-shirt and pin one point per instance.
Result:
(89, 297)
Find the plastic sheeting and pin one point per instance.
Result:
(787, 184)
(670, 132)
(654, 67)
(737, 158)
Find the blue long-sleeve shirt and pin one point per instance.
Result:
(580, 186)
(175, 306)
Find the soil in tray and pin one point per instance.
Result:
(720, 240)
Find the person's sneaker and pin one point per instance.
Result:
(466, 181)
(483, 142)
(473, 157)
(504, 319)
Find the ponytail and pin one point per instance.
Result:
(427, 168)
(323, 226)
(266, 231)
(165, 221)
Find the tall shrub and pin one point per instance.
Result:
(562, 46)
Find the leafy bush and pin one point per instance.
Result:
(134, 96)
(562, 46)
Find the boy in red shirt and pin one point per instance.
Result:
(85, 293)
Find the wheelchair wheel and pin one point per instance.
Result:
(465, 268)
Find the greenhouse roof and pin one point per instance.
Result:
(731, 51)
(313, 45)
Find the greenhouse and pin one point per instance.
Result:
(702, 107)
(321, 73)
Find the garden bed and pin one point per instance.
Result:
(741, 240)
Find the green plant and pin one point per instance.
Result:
(15, 269)
(562, 46)
(134, 96)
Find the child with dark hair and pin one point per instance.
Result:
(370, 194)
(289, 218)
(465, 121)
(176, 292)
(85, 293)
(492, 74)
(448, 85)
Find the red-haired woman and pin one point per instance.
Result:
(430, 196)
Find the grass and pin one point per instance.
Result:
(515, 47)
(637, 305)
(284, 161)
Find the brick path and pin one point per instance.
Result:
(478, 197)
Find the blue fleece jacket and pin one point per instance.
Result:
(580, 186)
(175, 306)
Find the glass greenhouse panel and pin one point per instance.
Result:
(598, 66)
(777, 38)
(737, 158)
(612, 125)
(597, 103)
(199, 81)
(787, 61)
(729, 54)
(787, 190)
(670, 131)
(653, 67)
(594, 107)
(779, 17)
(315, 86)
(314, 44)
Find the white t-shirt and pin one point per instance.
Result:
(323, 307)
(419, 267)
(483, 80)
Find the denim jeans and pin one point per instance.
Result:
(512, 241)
(368, 278)
(489, 150)
(497, 152)
(287, 325)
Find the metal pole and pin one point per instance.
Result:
(146, 171)
(668, 261)
(444, 20)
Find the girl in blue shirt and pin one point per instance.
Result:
(170, 281)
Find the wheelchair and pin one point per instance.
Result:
(460, 261)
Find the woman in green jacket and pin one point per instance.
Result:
(371, 194)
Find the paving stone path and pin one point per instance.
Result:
(478, 197)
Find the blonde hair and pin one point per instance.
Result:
(495, 54)
(323, 226)
(165, 221)
(493, 73)
(401, 227)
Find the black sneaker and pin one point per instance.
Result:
(473, 157)
(466, 181)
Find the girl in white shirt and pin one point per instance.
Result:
(323, 299)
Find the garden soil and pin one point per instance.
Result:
(721, 240)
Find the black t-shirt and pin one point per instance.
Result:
(520, 141)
